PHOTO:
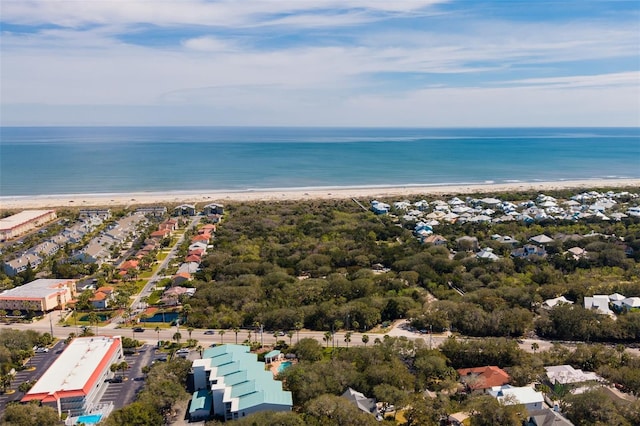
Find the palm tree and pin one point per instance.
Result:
(327, 338)
(200, 349)
(290, 336)
(347, 337)
(189, 330)
(221, 333)
(236, 330)
(365, 339)
(177, 336)
(534, 347)
(93, 319)
(123, 366)
(186, 310)
(158, 332)
(298, 326)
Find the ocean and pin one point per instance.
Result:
(83, 160)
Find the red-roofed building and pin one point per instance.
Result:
(483, 378)
(180, 278)
(193, 258)
(170, 224)
(76, 380)
(160, 234)
(207, 229)
(201, 237)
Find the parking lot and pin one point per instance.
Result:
(124, 393)
(41, 361)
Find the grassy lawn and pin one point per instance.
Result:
(162, 256)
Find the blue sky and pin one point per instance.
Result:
(422, 63)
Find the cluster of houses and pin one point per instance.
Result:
(424, 217)
(603, 206)
(601, 303)
(542, 410)
(88, 221)
(200, 243)
(119, 234)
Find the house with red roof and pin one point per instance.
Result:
(160, 234)
(482, 379)
(201, 237)
(180, 277)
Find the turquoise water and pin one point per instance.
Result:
(77, 160)
(284, 366)
(90, 419)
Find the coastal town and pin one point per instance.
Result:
(513, 308)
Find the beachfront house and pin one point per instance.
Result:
(185, 210)
(213, 209)
(379, 208)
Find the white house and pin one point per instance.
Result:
(526, 395)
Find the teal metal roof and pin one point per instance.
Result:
(274, 353)
(200, 400)
(246, 378)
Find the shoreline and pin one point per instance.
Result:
(286, 194)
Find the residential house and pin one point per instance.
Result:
(546, 417)
(627, 304)
(598, 303)
(160, 234)
(529, 251)
(47, 248)
(185, 210)
(505, 239)
(170, 224)
(566, 374)
(189, 267)
(526, 395)
(20, 264)
(435, 239)
(552, 303)
(205, 238)
(483, 378)
(213, 209)
(541, 239)
(368, 405)
(487, 254)
(577, 253)
(157, 211)
(103, 214)
(458, 419)
(180, 278)
(379, 208)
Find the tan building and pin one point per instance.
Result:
(40, 295)
(18, 224)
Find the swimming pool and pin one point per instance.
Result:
(284, 366)
(90, 419)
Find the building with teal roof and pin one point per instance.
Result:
(239, 385)
(200, 406)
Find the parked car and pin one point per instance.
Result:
(41, 350)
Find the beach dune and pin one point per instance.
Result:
(149, 198)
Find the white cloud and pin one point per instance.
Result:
(207, 44)
(188, 12)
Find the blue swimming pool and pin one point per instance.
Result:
(90, 419)
(284, 366)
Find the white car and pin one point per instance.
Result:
(41, 350)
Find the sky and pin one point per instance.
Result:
(417, 63)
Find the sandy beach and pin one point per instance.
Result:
(205, 197)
